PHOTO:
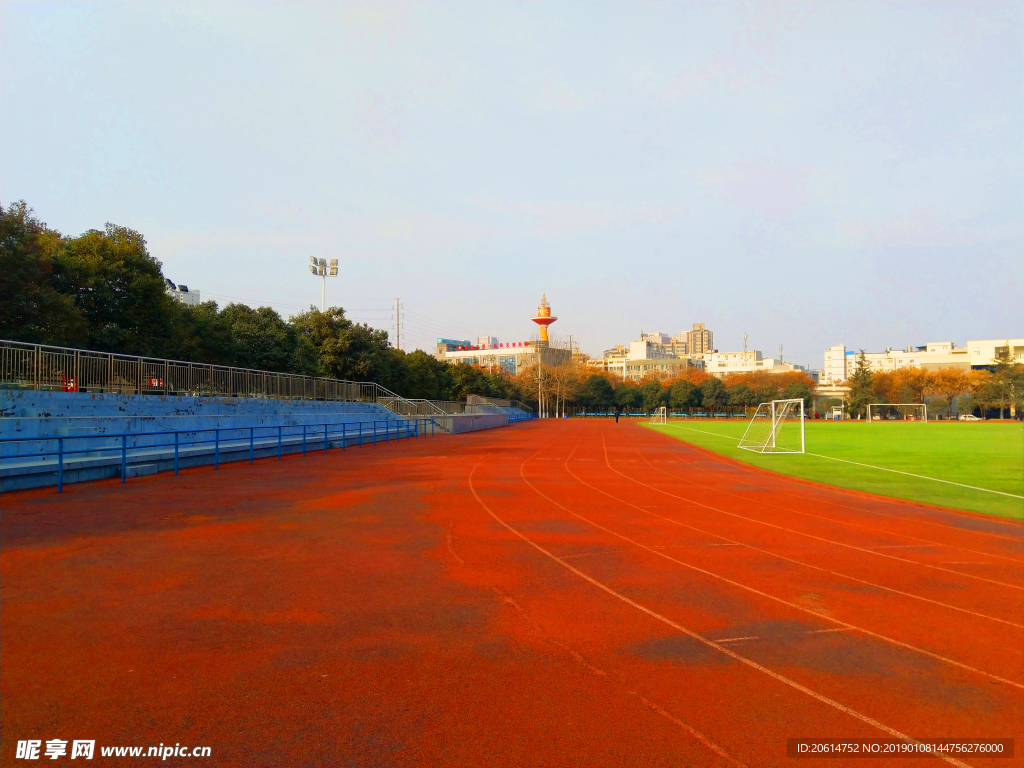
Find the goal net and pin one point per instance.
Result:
(897, 412)
(777, 427)
(660, 416)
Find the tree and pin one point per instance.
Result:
(948, 384)
(965, 405)
(596, 393)
(684, 394)
(31, 309)
(742, 395)
(713, 393)
(262, 339)
(799, 391)
(200, 334)
(118, 288)
(652, 396)
(861, 394)
(1007, 383)
(346, 350)
(626, 397)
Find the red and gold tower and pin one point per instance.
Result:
(544, 318)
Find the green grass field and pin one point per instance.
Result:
(985, 456)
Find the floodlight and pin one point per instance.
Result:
(323, 262)
(334, 262)
(312, 269)
(333, 272)
(313, 259)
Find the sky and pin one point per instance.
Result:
(809, 174)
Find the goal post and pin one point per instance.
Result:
(897, 412)
(660, 416)
(777, 427)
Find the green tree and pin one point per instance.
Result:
(626, 397)
(596, 394)
(343, 349)
(713, 393)
(796, 390)
(1006, 387)
(118, 288)
(31, 309)
(861, 394)
(652, 396)
(742, 395)
(200, 334)
(262, 340)
(684, 394)
(425, 377)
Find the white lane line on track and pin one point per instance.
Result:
(801, 533)
(847, 523)
(870, 466)
(731, 542)
(823, 631)
(733, 639)
(700, 638)
(802, 609)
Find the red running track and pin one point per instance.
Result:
(559, 593)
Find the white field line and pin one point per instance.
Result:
(869, 466)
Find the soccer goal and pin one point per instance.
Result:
(777, 427)
(897, 412)
(660, 416)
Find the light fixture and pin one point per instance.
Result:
(320, 268)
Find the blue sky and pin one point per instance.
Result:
(808, 173)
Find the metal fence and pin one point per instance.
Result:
(38, 366)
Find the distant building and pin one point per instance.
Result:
(700, 340)
(720, 363)
(511, 356)
(841, 362)
(181, 293)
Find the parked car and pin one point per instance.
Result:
(969, 417)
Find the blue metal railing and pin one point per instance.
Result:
(310, 435)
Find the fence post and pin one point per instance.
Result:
(387, 432)
(343, 430)
(303, 439)
(216, 448)
(175, 453)
(325, 438)
(374, 432)
(360, 437)
(278, 442)
(250, 444)
(124, 457)
(60, 465)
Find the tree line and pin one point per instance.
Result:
(104, 291)
(947, 391)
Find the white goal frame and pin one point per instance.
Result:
(777, 411)
(922, 406)
(660, 416)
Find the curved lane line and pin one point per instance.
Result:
(700, 638)
(801, 533)
(754, 590)
(1014, 560)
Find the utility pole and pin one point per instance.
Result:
(398, 322)
(780, 353)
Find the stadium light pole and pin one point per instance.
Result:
(323, 270)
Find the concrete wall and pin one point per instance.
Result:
(471, 422)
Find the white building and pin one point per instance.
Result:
(840, 362)
(511, 356)
(181, 293)
(720, 363)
